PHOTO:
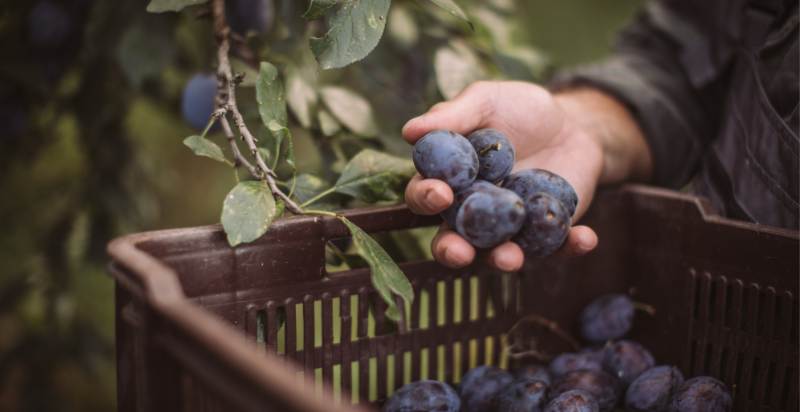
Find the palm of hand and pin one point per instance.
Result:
(543, 137)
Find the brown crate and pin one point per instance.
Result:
(199, 323)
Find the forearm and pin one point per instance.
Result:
(626, 154)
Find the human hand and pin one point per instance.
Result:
(547, 133)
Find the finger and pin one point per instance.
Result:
(467, 112)
(428, 196)
(580, 241)
(452, 250)
(507, 257)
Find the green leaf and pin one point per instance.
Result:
(247, 212)
(301, 95)
(265, 154)
(205, 147)
(402, 27)
(494, 24)
(451, 7)
(374, 176)
(270, 96)
(523, 63)
(351, 109)
(327, 123)
(456, 67)
(317, 8)
(308, 186)
(160, 6)
(354, 30)
(387, 278)
(284, 146)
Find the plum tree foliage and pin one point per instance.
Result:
(316, 65)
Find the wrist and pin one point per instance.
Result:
(605, 120)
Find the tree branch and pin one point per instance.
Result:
(226, 100)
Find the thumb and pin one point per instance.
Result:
(465, 113)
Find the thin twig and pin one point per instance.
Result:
(238, 159)
(226, 99)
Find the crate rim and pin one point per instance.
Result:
(162, 285)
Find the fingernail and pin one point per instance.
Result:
(409, 122)
(584, 247)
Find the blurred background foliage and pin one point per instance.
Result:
(91, 130)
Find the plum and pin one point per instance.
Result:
(446, 156)
(424, 396)
(529, 182)
(197, 103)
(606, 318)
(626, 360)
(526, 395)
(533, 371)
(488, 218)
(702, 393)
(603, 387)
(653, 389)
(495, 154)
(545, 228)
(575, 400)
(479, 387)
(247, 16)
(591, 359)
(449, 215)
(49, 24)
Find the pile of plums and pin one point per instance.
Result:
(532, 207)
(611, 373)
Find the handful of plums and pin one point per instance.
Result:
(532, 207)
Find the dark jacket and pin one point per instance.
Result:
(714, 86)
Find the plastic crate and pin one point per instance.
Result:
(204, 327)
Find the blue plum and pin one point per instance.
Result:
(606, 318)
(529, 182)
(495, 154)
(603, 387)
(247, 16)
(197, 103)
(449, 215)
(545, 228)
(588, 359)
(533, 371)
(626, 360)
(702, 393)
(488, 218)
(424, 396)
(446, 156)
(479, 387)
(526, 395)
(653, 389)
(574, 400)
(49, 24)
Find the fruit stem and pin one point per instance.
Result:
(644, 307)
(318, 197)
(321, 212)
(487, 149)
(538, 320)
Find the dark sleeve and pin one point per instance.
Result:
(661, 70)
